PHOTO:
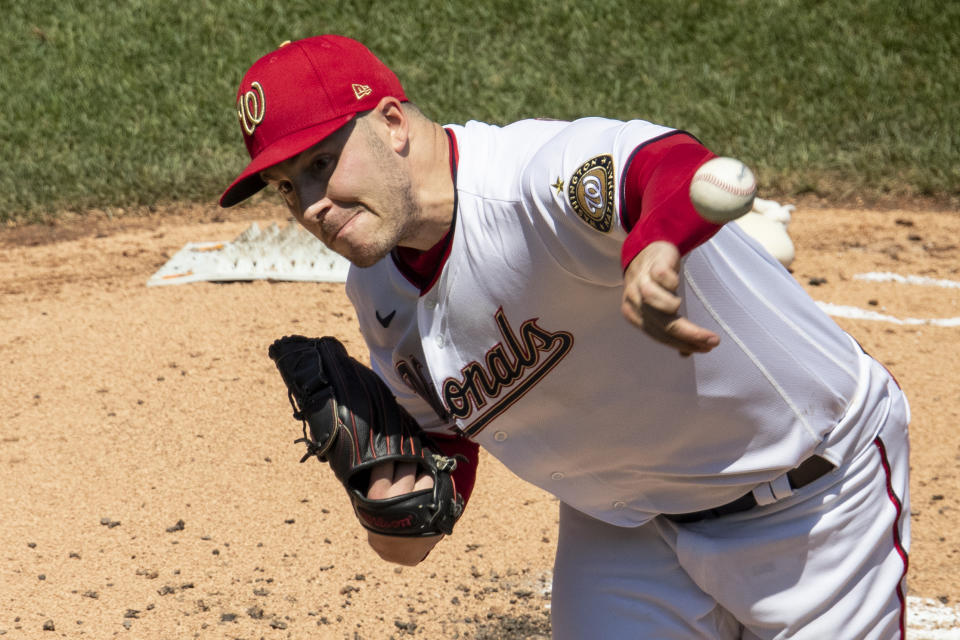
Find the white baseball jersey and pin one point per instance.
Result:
(520, 344)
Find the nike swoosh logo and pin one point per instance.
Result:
(385, 321)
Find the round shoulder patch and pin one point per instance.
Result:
(590, 192)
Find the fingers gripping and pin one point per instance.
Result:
(650, 301)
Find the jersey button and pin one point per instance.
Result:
(618, 505)
(440, 341)
(500, 436)
(430, 303)
(557, 475)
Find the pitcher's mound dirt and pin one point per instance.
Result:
(151, 484)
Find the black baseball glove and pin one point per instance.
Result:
(355, 424)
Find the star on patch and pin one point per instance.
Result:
(558, 185)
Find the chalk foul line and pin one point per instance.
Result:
(846, 311)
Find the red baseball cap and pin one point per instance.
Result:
(293, 98)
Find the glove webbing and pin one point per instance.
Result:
(299, 413)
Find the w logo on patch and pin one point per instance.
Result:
(361, 91)
(591, 192)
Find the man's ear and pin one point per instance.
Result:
(397, 121)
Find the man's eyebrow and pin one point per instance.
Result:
(324, 146)
(269, 173)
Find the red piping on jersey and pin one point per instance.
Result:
(655, 195)
(897, 543)
(422, 268)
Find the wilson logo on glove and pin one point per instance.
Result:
(381, 523)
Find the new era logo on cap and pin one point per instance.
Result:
(296, 96)
(361, 91)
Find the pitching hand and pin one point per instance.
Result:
(650, 301)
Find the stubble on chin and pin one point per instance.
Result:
(400, 228)
(377, 244)
(366, 259)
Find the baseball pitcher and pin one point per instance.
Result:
(729, 462)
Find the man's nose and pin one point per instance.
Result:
(313, 203)
(315, 211)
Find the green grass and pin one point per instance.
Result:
(106, 104)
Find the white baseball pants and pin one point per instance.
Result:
(829, 561)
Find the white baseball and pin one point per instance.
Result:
(723, 189)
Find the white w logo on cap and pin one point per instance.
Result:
(250, 108)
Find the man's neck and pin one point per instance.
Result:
(433, 183)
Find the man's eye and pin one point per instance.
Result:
(322, 163)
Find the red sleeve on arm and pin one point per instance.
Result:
(655, 202)
(465, 475)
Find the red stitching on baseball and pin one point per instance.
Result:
(735, 190)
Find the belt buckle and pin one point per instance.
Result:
(808, 471)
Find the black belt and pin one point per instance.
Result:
(811, 469)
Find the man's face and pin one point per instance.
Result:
(350, 191)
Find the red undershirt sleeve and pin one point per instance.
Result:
(465, 475)
(655, 196)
